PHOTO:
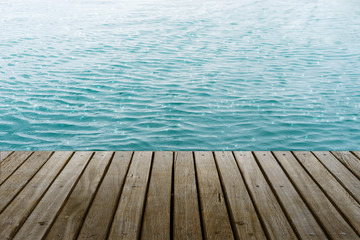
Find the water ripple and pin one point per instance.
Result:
(179, 75)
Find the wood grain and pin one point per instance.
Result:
(215, 218)
(335, 191)
(330, 219)
(156, 222)
(349, 160)
(187, 223)
(68, 222)
(357, 154)
(41, 218)
(10, 164)
(128, 216)
(243, 214)
(12, 218)
(18, 180)
(271, 213)
(4, 154)
(301, 217)
(348, 180)
(196, 195)
(99, 217)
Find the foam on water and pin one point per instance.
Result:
(179, 75)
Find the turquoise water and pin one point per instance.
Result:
(179, 75)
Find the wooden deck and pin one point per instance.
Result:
(179, 195)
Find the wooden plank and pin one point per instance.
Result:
(349, 160)
(12, 218)
(273, 217)
(357, 154)
(156, 223)
(243, 214)
(349, 181)
(4, 154)
(35, 198)
(41, 218)
(127, 220)
(343, 200)
(296, 210)
(69, 221)
(10, 164)
(98, 219)
(322, 208)
(215, 218)
(187, 224)
(18, 180)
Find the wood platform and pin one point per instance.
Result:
(179, 195)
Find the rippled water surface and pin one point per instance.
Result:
(179, 75)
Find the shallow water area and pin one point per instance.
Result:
(179, 75)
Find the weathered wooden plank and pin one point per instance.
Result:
(341, 173)
(343, 200)
(127, 220)
(216, 222)
(322, 208)
(243, 214)
(68, 222)
(98, 219)
(350, 161)
(356, 153)
(35, 199)
(12, 218)
(187, 224)
(4, 154)
(10, 164)
(156, 222)
(41, 218)
(17, 181)
(297, 211)
(273, 217)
